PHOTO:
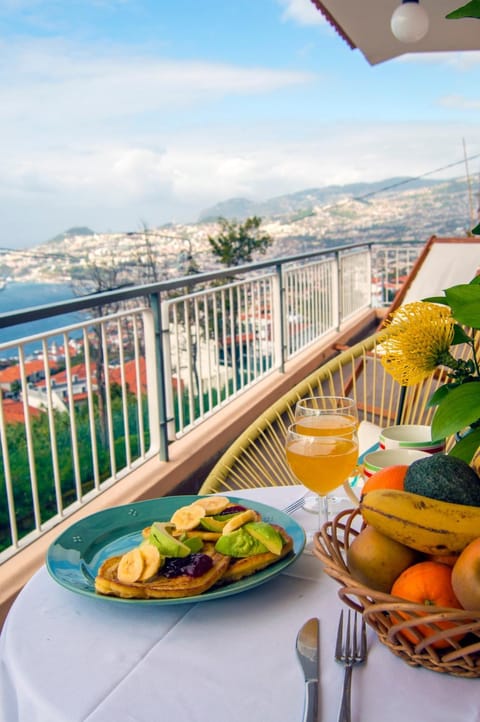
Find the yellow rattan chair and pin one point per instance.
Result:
(257, 457)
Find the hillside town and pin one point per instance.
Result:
(296, 223)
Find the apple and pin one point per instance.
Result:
(466, 576)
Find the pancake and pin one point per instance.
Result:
(246, 566)
(161, 587)
(225, 569)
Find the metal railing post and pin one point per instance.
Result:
(280, 316)
(162, 406)
(339, 299)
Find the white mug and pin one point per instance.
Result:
(376, 460)
(411, 436)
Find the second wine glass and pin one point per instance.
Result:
(325, 416)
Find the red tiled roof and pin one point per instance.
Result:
(131, 376)
(13, 411)
(12, 373)
(79, 370)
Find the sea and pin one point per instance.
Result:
(17, 295)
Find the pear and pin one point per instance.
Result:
(376, 560)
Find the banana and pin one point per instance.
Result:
(188, 517)
(213, 504)
(239, 520)
(151, 561)
(424, 524)
(130, 567)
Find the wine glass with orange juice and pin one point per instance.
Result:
(320, 462)
(326, 416)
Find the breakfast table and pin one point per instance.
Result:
(66, 657)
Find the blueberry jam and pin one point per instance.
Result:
(231, 510)
(194, 565)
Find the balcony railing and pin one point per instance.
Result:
(85, 404)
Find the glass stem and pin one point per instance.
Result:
(322, 510)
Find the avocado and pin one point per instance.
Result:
(445, 478)
(194, 543)
(239, 544)
(166, 544)
(267, 534)
(210, 524)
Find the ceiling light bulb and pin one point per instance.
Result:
(409, 22)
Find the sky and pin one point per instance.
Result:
(120, 114)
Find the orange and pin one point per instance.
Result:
(390, 477)
(429, 584)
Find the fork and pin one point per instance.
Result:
(297, 504)
(350, 649)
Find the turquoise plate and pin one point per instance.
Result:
(75, 556)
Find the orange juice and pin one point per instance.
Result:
(321, 463)
(327, 425)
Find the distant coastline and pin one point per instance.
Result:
(18, 295)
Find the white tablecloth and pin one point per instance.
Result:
(68, 658)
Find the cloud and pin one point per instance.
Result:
(113, 186)
(463, 61)
(459, 102)
(76, 84)
(107, 136)
(302, 12)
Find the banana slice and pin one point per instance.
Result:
(213, 504)
(188, 517)
(239, 520)
(151, 560)
(130, 567)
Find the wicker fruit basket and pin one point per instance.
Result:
(454, 650)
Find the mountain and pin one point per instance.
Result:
(304, 200)
(394, 210)
(75, 231)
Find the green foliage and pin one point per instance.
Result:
(470, 10)
(458, 400)
(236, 242)
(459, 408)
(43, 455)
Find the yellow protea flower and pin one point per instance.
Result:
(418, 340)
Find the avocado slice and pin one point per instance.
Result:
(239, 544)
(194, 543)
(267, 534)
(209, 523)
(166, 544)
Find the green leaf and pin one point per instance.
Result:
(476, 230)
(470, 10)
(438, 395)
(459, 335)
(466, 447)
(459, 409)
(464, 300)
(436, 299)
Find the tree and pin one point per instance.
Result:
(236, 242)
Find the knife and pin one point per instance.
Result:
(308, 643)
